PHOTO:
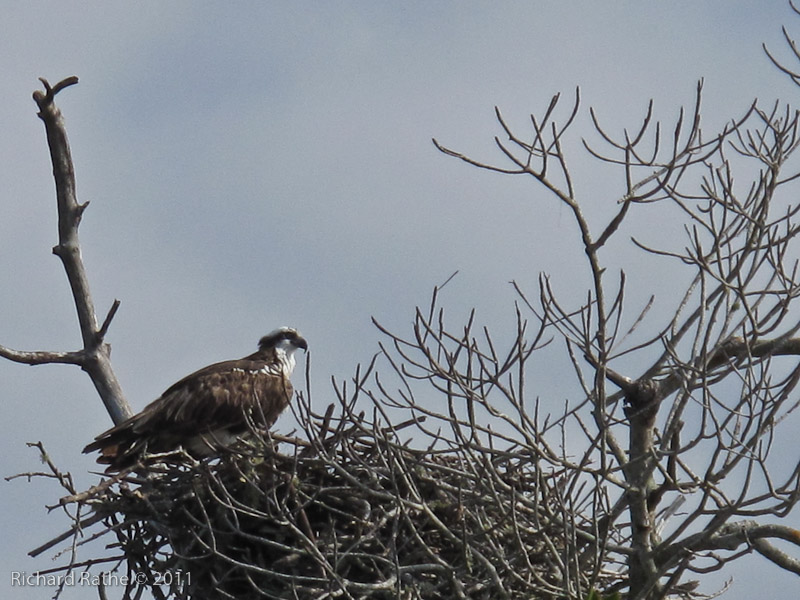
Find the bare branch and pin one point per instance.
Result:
(94, 358)
(42, 357)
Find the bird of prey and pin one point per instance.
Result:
(208, 410)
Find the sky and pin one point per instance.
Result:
(259, 164)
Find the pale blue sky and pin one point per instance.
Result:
(264, 163)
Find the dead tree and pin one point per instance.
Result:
(697, 427)
(95, 355)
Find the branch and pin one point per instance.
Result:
(69, 210)
(732, 535)
(95, 356)
(732, 351)
(42, 357)
(770, 552)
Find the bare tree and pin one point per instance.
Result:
(94, 357)
(700, 421)
(670, 461)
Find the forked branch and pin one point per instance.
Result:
(94, 357)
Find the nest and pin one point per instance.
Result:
(348, 511)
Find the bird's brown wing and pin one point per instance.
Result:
(220, 397)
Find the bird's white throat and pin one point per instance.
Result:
(284, 351)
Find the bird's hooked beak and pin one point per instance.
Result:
(301, 343)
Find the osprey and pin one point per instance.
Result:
(206, 411)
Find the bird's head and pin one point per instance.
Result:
(283, 338)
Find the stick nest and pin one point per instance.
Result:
(349, 511)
